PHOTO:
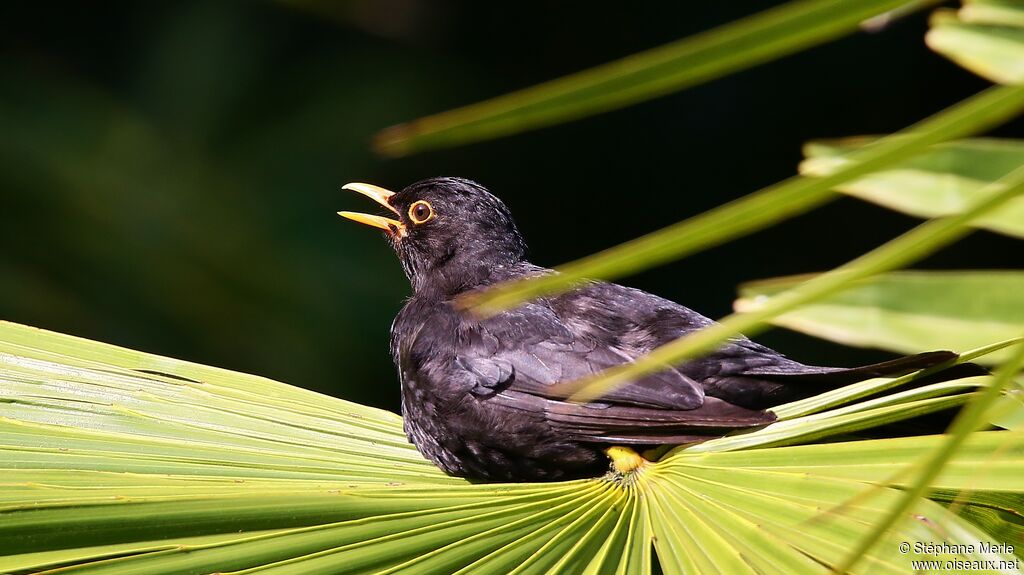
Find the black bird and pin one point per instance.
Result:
(477, 393)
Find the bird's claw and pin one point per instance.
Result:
(624, 459)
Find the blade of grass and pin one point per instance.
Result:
(907, 248)
(760, 209)
(968, 421)
(760, 38)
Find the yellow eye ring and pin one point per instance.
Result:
(421, 212)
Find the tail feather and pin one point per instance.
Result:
(839, 376)
(765, 386)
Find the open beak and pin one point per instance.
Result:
(381, 196)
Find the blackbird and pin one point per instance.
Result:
(477, 393)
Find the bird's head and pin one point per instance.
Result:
(450, 234)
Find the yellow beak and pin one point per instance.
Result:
(381, 196)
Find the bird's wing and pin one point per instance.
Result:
(640, 322)
(513, 361)
(531, 350)
(605, 422)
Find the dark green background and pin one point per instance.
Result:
(170, 171)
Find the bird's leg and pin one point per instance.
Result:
(624, 459)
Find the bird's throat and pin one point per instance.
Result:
(459, 276)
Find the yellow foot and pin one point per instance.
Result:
(624, 459)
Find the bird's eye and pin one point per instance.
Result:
(420, 212)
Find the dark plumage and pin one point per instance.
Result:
(476, 393)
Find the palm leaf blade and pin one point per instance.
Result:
(146, 485)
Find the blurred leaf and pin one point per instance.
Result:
(1005, 12)
(760, 38)
(940, 182)
(116, 461)
(984, 36)
(907, 312)
(762, 208)
(1008, 413)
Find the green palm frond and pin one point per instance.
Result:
(907, 311)
(117, 461)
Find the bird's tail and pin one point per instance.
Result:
(763, 387)
(840, 376)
